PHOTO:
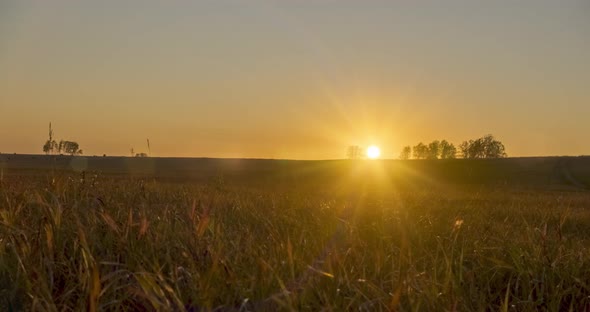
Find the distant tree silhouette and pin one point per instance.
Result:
(447, 150)
(420, 151)
(433, 150)
(464, 148)
(406, 153)
(354, 152)
(72, 148)
(493, 148)
(484, 147)
(50, 145)
(69, 147)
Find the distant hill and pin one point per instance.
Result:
(556, 172)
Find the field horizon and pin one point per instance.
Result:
(572, 171)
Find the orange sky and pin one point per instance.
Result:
(294, 79)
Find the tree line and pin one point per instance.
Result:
(53, 147)
(484, 147)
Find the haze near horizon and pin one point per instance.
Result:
(294, 79)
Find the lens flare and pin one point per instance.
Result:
(373, 152)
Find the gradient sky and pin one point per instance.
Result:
(298, 79)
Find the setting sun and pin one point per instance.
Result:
(373, 152)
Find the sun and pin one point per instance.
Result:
(373, 152)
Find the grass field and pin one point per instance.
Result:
(121, 234)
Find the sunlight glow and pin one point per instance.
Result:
(373, 152)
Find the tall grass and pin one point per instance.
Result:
(94, 243)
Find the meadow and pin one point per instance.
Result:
(117, 234)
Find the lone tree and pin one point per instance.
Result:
(405, 153)
(484, 147)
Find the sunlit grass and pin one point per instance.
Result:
(98, 243)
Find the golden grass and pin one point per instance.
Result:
(127, 245)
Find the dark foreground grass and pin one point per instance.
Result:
(71, 244)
